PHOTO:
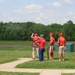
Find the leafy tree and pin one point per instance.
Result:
(23, 31)
(69, 30)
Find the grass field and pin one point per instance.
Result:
(68, 74)
(12, 50)
(69, 63)
(15, 73)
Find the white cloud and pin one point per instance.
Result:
(74, 17)
(12, 19)
(43, 18)
(70, 13)
(68, 1)
(56, 4)
(65, 19)
(38, 13)
(1, 0)
(30, 9)
(33, 7)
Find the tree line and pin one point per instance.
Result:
(23, 30)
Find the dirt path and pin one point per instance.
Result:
(10, 67)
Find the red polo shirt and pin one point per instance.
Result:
(52, 40)
(41, 42)
(61, 41)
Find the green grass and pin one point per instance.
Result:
(69, 63)
(12, 50)
(26, 43)
(15, 45)
(68, 74)
(16, 73)
(7, 56)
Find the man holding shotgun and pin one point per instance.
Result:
(34, 37)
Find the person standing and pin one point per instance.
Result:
(52, 42)
(34, 37)
(62, 43)
(41, 43)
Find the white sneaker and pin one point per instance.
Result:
(62, 59)
(50, 58)
(59, 60)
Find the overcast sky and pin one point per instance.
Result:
(39, 11)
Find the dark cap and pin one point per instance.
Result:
(42, 35)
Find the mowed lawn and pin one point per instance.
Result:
(12, 50)
(68, 74)
(17, 73)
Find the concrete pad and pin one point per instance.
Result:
(69, 71)
(10, 67)
(22, 70)
(14, 63)
(51, 72)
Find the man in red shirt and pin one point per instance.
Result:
(34, 37)
(61, 43)
(51, 50)
(41, 43)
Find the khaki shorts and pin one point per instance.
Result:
(61, 49)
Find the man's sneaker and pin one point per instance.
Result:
(33, 58)
(50, 58)
(62, 59)
(59, 60)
